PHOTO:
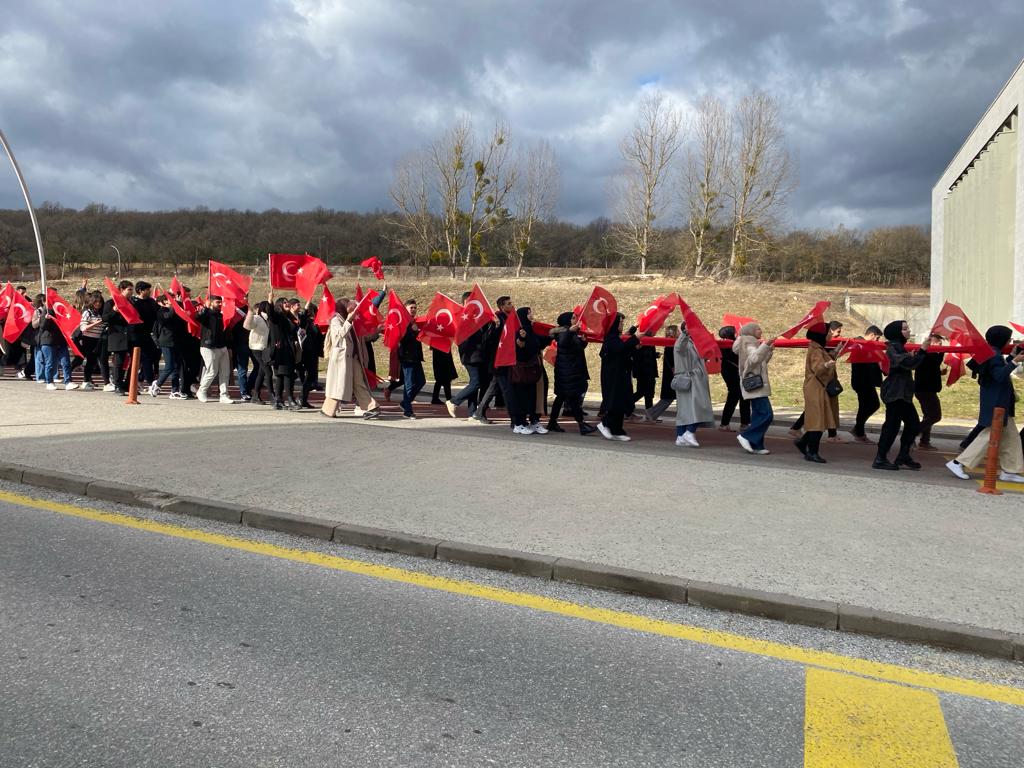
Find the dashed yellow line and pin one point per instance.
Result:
(725, 640)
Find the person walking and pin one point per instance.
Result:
(164, 332)
(121, 338)
(927, 385)
(52, 349)
(645, 372)
(819, 372)
(471, 355)
(693, 391)
(213, 348)
(149, 354)
(668, 370)
(445, 372)
(616, 381)
(257, 325)
(571, 375)
(898, 396)
(90, 339)
(754, 352)
(283, 347)
(347, 362)
(731, 377)
(410, 355)
(994, 379)
(865, 379)
(524, 377)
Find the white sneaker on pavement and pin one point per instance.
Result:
(605, 432)
(1010, 477)
(225, 400)
(682, 443)
(957, 469)
(451, 408)
(540, 429)
(108, 387)
(519, 429)
(51, 387)
(153, 389)
(762, 452)
(202, 398)
(87, 387)
(70, 385)
(622, 438)
(745, 444)
(690, 439)
(20, 375)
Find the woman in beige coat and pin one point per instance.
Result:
(819, 370)
(346, 367)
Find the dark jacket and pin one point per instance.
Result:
(444, 366)
(645, 363)
(668, 370)
(49, 334)
(120, 335)
(730, 368)
(571, 375)
(865, 376)
(996, 387)
(410, 349)
(280, 351)
(147, 309)
(899, 384)
(211, 323)
(616, 380)
(165, 328)
(928, 375)
(492, 337)
(471, 350)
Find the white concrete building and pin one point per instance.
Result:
(978, 218)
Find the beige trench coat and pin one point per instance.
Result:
(818, 413)
(346, 359)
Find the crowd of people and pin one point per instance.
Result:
(277, 345)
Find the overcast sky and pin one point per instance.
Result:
(262, 103)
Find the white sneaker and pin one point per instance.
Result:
(51, 387)
(175, 396)
(539, 429)
(451, 408)
(1010, 477)
(957, 469)
(70, 385)
(202, 398)
(682, 443)
(745, 444)
(20, 375)
(108, 387)
(225, 400)
(690, 439)
(87, 387)
(605, 432)
(519, 430)
(153, 389)
(622, 438)
(762, 452)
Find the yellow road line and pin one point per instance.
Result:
(715, 638)
(851, 722)
(1010, 487)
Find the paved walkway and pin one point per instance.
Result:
(918, 543)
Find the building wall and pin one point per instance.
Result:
(978, 218)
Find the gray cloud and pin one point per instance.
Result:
(266, 103)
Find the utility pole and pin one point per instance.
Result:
(118, 260)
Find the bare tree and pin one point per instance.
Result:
(447, 156)
(415, 228)
(494, 177)
(647, 151)
(533, 198)
(759, 177)
(704, 176)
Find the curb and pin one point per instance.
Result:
(772, 605)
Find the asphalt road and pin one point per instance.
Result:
(211, 645)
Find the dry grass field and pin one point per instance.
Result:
(776, 306)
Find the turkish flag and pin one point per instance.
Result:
(551, 353)
(122, 304)
(284, 267)
(19, 317)
(1016, 327)
(67, 317)
(440, 324)
(6, 297)
(187, 313)
(506, 354)
(176, 287)
(816, 313)
(652, 318)
(397, 322)
(736, 321)
(231, 313)
(706, 344)
(955, 362)
(311, 274)
(372, 379)
(476, 313)
(374, 265)
(954, 321)
(599, 310)
(227, 283)
(864, 351)
(367, 318)
(326, 310)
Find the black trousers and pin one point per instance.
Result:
(524, 399)
(613, 420)
(573, 405)
(867, 406)
(90, 347)
(931, 414)
(120, 374)
(897, 413)
(734, 398)
(810, 442)
(645, 389)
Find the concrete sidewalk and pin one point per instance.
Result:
(918, 543)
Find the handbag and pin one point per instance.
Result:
(833, 388)
(525, 372)
(682, 382)
(752, 382)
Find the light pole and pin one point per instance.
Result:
(31, 211)
(118, 260)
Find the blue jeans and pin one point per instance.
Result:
(170, 369)
(52, 358)
(470, 389)
(681, 428)
(44, 363)
(761, 417)
(39, 359)
(242, 371)
(413, 379)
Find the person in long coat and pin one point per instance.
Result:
(693, 404)
(616, 380)
(819, 370)
(445, 373)
(731, 377)
(571, 375)
(346, 367)
(898, 396)
(282, 342)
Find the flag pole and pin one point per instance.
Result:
(31, 211)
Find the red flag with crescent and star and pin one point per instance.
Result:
(652, 318)
(311, 274)
(375, 265)
(599, 310)
(953, 320)
(736, 321)
(284, 267)
(506, 354)
(122, 304)
(176, 287)
(397, 321)
(227, 283)
(326, 310)
(441, 322)
(705, 344)
(19, 317)
(814, 315)
(476, 313)
(67, 318)
(367, 320)
(6, 297)
(864, 351)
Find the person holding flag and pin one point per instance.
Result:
(571, 375)
(754, 352)
(731, 376)
(616, 381)
(410, 356)
(865, 379)
(346, 364)
(119, 316)
(927, 385)
(898, 396)
(498, 368)
(91, 340)
(693, 392)
(213, 348)
(52, 349)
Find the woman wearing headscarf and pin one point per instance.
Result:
(444, 374)
(645, 371)
(819, 370)
(616, 381)
(668, 370)
(927, 385)
(754, 352)
(346, 366)
(525, 376)
(731, 377)
(571, 375)
(898, 396)
(996, 392)
(282, 343)
(693, 392)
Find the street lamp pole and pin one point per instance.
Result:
(31, 211)
(118, 260)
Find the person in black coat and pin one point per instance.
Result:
(166, 329)
(927, 385)
(731, 377)
(571, 375)
(445, 373)
(616, 381)
(282, 342)
(668, 370)
(121, 338)
(865, 379)
(149, 357)
(311, 349)
(525, 375)
(410, 356)
(472, 357)
(898, 396)
(645, 371)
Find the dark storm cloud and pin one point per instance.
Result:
(256, 104)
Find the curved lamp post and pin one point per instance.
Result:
(118, 261)
(31, 211)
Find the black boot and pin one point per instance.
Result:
(586, 429)
(882, 462)
(904, 460)
(801, 446)
(553, 427)
(815, 458)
